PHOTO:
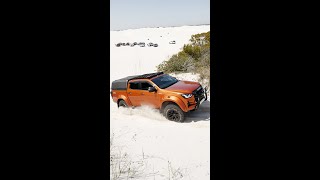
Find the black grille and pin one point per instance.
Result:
(199, 94)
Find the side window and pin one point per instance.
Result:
(134, 85)
(145, 85)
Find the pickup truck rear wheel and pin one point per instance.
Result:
(174, 113)
(122, 103)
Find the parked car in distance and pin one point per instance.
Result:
(155, 45)
(150, 44)
(118, 44)
(173, 97)
(127, 44)
(172, 42)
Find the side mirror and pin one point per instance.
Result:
(152, 89)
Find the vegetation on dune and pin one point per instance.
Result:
(193, 58)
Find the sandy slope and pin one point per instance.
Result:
(143, 132)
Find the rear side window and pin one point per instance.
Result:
(134, 85)
(145, 85)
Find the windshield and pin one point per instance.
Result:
(164, 81)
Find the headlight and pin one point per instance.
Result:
(186, 95)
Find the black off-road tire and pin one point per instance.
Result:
(173, 113)
(122, 103)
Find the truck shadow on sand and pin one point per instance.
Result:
(202, 114)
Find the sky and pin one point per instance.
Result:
(133, 14)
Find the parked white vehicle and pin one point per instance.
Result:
(172, 42)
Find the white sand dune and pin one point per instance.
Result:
(143, 131)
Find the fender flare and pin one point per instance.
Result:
(175, 100)
(125, 98)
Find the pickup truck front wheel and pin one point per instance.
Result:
(174, 113)
(122, 103)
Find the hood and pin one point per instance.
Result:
(183, 87)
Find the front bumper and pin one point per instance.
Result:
(199, 96)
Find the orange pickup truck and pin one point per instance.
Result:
(172, 96)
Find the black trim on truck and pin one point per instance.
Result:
(121, 84)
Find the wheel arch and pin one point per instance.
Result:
(124, 99)
(165, 103)
(176, 101)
